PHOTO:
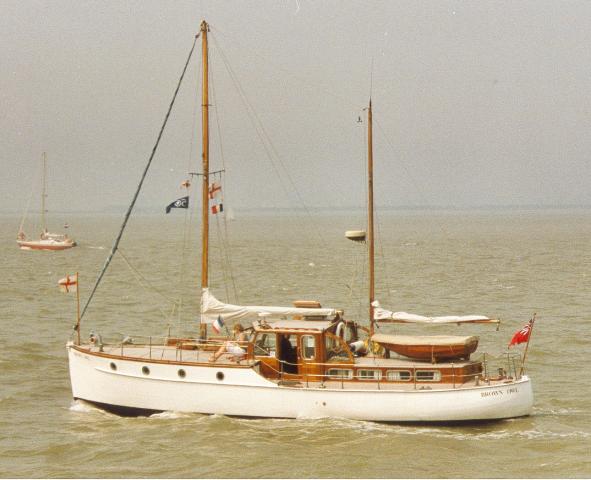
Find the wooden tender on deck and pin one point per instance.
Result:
(433, 348)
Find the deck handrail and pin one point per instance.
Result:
(506, 363)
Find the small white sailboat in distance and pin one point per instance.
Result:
(47, 240)
(299, 361)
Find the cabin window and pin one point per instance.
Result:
(113, 366)
(265, 344)
(182, 373)
(308, 347)
(369, 374)
(145, 370)
(428, 375)
(398, 375)
(340, 373)
(350, 334)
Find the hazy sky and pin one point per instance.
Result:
(475, 103)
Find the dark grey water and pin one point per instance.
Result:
(506, 264)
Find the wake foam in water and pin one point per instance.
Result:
(175, 415)
(332, 426)
(80, 406)
(527, 435)
(548, 412)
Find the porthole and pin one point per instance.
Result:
(145, 370)
(182, 373)
(219, 376)
(113, 366)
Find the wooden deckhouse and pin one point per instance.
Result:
(321, 351)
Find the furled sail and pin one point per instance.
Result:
(382, 315)
(212, 308)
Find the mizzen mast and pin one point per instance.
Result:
(205, 165)
(370, 218)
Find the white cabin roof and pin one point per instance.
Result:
(319, 325)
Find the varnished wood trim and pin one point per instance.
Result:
(164, 362)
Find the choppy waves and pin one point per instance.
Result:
(506, 268)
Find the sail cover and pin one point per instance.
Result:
(212, 308)
(382, 315)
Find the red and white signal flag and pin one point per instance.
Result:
(217, 204)
(69, 283)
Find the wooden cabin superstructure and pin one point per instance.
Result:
(322, 353)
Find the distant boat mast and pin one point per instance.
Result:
(43, 192)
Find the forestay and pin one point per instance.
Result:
(212, 308)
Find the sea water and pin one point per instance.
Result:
(509, 264)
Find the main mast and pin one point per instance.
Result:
(370, 230)
(205, 166)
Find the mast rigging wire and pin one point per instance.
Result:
(188, 220)
(147, 285)
(268, 146)
(26, 213)
(304, 81)
(223, 237)
(139, 187)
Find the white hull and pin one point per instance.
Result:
(45, 244)
(243, 392)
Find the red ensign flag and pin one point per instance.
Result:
(521, 336)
